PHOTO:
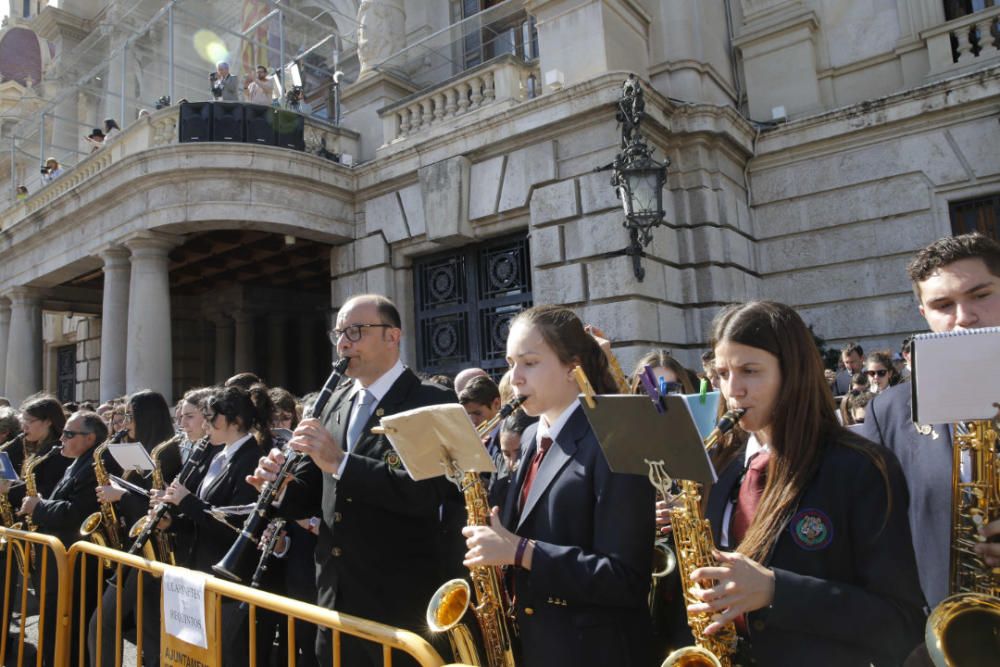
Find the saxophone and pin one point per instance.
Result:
(103, 527)
(161, 547)
(30, 483)
(694, 544)
(963, 628)
(9, 519)
(492, 610)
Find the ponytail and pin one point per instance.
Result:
(263, 412)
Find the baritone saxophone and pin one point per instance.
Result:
(964, 629)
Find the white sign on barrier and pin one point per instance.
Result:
(184, 606)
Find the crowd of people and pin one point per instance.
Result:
(831, 513)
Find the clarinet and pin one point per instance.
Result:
(161, 509)
(239, 556)
(276, 525)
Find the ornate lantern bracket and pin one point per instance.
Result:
(638, 179)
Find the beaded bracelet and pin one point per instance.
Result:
(519, 554)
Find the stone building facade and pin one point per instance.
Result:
(813, 147)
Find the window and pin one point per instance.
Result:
(465, 301)
(976, 215)
(513, 34)
(954, 9)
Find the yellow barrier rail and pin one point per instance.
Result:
(390, 638)
(27, 561)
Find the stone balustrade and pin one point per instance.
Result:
(971, 40)
(506, 79)
(160, 129)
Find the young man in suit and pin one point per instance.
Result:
(957, 284)
(379, 551)
(61, 514)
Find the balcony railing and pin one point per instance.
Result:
(160, 129)
(503, 80)
(970, 41)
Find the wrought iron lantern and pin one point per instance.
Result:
(638, 179)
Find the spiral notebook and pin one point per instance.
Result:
(956, 376)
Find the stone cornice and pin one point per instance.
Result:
(53, 23)
(795, 16)
(977, 93)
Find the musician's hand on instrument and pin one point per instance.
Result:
(266, 470)
(736, 585)
(663, 516)
(5, 485)
(175, 493)
(598, 335)
(491, 545)
(990, 551)
(28, 505)
(313, 440)
(109, 493)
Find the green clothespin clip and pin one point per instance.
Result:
(703, 391)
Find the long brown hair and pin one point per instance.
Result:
(563, 331)
(804, 417)
(663, 359)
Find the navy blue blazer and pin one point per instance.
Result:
(846, 590)
(209, 540)
(72, 500)
(584, 600)
(927, 466)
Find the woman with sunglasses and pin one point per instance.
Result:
(815, 566)
(881, 372)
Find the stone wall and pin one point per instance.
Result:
(841, 203)
(88, 359)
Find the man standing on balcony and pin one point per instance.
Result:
(225, 86)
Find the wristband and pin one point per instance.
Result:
(519, 553)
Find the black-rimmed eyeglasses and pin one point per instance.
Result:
(353, 333)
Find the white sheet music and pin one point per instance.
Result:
(956, 376)
(131, 456)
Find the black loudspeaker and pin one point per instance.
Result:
(227, 121)
(196, 121)
(259, 124)
(289, 130)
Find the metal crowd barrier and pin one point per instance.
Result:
(118, 564)
(27, 562)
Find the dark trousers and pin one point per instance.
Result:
(107, 620)
(50, 598)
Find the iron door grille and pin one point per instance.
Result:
(465, 302)
(66, 373)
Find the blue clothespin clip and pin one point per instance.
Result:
(648, 380)
(664, 386)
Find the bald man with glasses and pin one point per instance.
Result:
(380, 553)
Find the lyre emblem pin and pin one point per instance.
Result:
(926, 429)
(379, 412)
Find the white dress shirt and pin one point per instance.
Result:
(378, 389)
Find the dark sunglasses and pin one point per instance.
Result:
(69, 435)
(882, 373)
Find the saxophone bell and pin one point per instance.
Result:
(445, 612)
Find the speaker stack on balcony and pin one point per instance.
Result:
(289, 130)
(195, 121)
(259, 124)
(227, 121)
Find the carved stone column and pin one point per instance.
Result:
(24, 345)
(381, 32)
(149, 355)
(224, 344)
(4, 335)
(114, 322)
(244, 343)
